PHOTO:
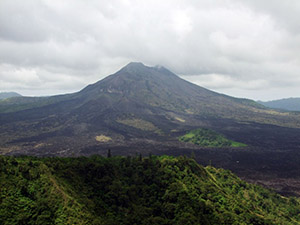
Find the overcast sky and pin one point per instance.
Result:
(244, 48)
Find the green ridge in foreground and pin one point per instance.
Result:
(209, 138)
(133, 190)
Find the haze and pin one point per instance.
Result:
(240, 48)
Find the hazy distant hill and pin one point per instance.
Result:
(5, 95)
(290, 104)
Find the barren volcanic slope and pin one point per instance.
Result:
(146, 109)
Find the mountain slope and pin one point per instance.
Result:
(137, 104)
(133, 190)
(290, 104)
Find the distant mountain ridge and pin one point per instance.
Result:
(290, 104)
(5, 95)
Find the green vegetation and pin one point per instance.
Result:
(133, 190)
(208, 138)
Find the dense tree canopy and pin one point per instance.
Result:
(133, 190)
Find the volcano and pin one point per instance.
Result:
(138, 107)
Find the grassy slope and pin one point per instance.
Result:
(119, 190)
(208, 138)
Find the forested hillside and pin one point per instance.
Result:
(133, 190)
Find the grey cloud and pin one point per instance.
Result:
(21, 22)
(64, 45)
(286, 13)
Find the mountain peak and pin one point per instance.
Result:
(138, 68)
(134, 76)
(134, 68)
(134, 64)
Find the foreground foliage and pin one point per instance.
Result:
(209, 138)
(133, 190)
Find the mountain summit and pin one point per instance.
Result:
(159, 88)
(132, 77)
